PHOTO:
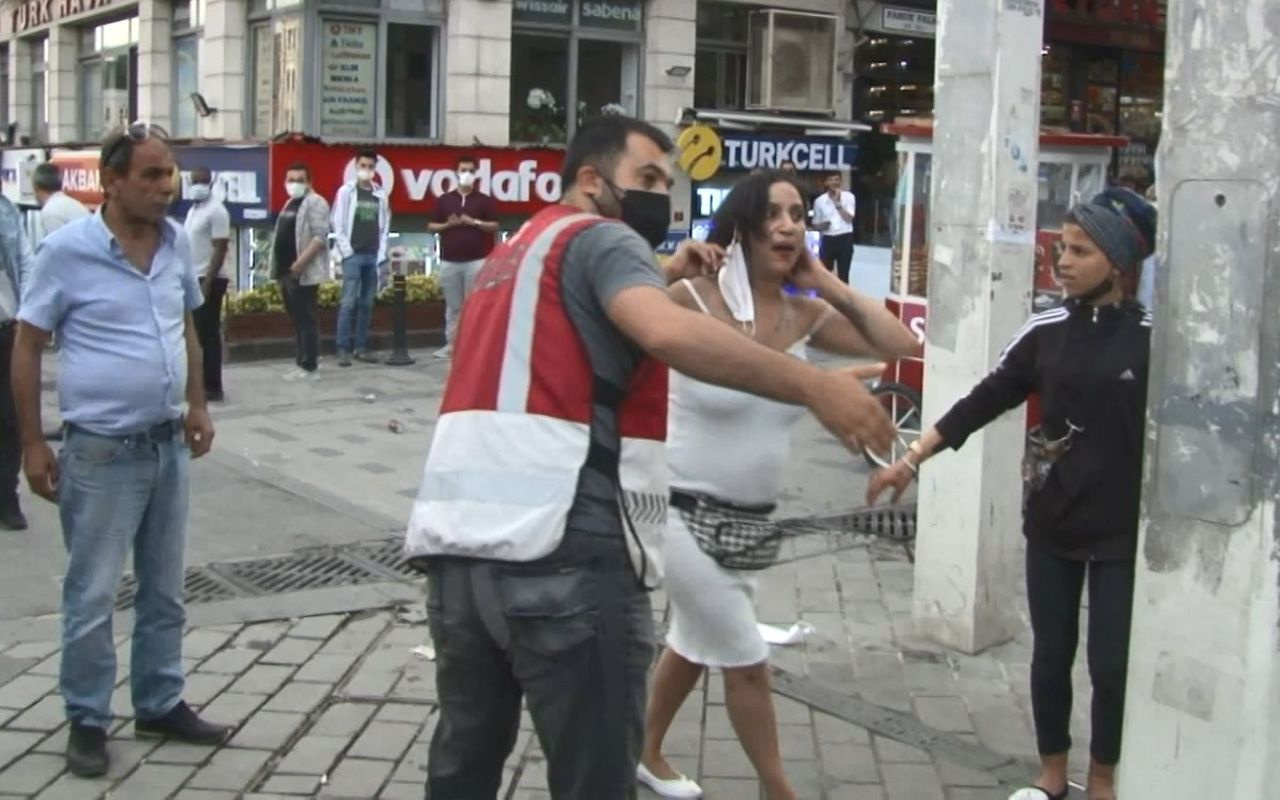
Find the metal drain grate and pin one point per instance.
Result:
(891, 522)
(315, 570)
(387, 554)
(199, 586)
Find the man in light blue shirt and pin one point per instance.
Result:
(118, 289)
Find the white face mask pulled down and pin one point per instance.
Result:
(735, 287)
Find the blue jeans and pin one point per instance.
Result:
(359, 285)
(113, 494)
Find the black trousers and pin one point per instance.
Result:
(1053, 592)
(300, 305)
(836, 253)
(208, 319)
(571, 635)
(10, 444)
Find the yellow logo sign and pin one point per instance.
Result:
(700, 152)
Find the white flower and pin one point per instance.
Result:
(539, 98)
(613, 110)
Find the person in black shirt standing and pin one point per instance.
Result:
(301, 265)
(1088, 363)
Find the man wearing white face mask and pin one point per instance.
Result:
(208, 226)
(361, 227)
(465, 219)
(302, 264)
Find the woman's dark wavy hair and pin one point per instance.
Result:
(746, 208)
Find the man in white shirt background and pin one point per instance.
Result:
(833, 214)
(208, 226)
(56, 207)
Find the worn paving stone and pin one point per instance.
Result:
(343, 719)
(355, 638)
(233, 709)
(911, 782)
(725, 759)
(947, 714)
(894, 752)
(837, 731)
(292, 784)
(15, 743)
(231, 769)
(736, 788)
(202, 687)
(317, 627)
(313, 754)
(357, 778)
(958, 775)
(851, 763)
(232, 661)
(856, 791)
(401, 712)
(206, 794)
(384, 740)
(26, 690)
(300, 698)
(977, 794)
(31, 773)
(203, 642)
(180, 753)
(46, 715)
(36, 650)
(267, 730)
(326, 667)
(153, 780)
(401, 791)
(262, 678)
(291, 650)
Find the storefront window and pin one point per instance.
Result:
(108, 77)
(348, 72)
(409, 75)
(580, 57)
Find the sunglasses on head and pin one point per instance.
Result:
(137, 131)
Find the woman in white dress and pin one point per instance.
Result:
(729, 449)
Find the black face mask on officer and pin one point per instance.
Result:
(647, 213)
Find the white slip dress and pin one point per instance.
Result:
(731, 446)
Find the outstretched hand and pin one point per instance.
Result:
(897, 476)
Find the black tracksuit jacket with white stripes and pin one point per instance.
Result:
(1088, 365)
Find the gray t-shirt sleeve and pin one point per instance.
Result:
(607, 258)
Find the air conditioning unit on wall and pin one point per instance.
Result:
(792, 61)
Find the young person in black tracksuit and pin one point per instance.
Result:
(1087, 361)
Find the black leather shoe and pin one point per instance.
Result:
(182, 724)
(12, 518)
(87, 751)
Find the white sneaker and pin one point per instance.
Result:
(676, 788)
(312, 376)
(445, 352)
(294, 374)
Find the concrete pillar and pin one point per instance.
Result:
(224, 62)
(477, 94)
(670, 41)
(985, 162)
(62, 84)
(21, 109)
(1202, 717)
(155, 62)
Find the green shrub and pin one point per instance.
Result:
(266, 299)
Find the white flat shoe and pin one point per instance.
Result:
(676, 788)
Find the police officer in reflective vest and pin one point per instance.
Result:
(545, 482)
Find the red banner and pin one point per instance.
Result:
(521, 181)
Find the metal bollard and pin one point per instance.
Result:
(399, 337)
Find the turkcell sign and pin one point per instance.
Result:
(808, 153)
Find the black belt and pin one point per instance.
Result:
(685, 501)
(160, 433)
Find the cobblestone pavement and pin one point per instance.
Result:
(339, 705)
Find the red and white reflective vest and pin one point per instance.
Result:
(515, 422)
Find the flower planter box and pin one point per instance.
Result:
(253, 337)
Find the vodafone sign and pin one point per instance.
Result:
(520, 181)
